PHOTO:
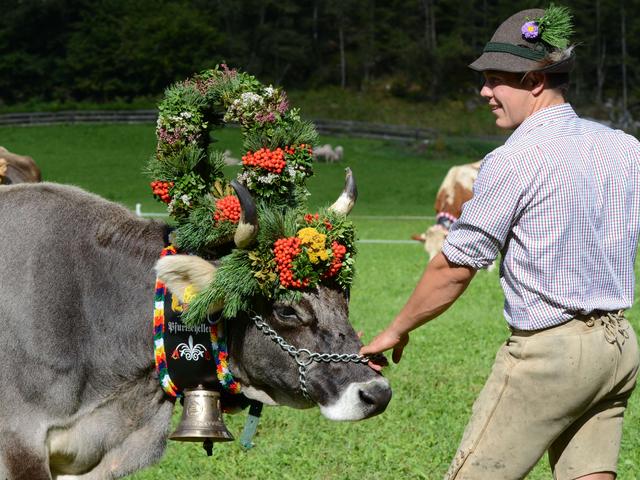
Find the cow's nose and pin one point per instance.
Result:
(376, 395)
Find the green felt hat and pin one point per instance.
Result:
(532, 40)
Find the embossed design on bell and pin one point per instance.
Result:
(201, 419)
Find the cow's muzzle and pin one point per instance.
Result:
(360, 400)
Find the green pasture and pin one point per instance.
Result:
(444, 366)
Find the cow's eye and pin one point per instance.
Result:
(286, 312)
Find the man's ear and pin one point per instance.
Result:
(536, 82)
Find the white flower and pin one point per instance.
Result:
(185, 199)
(247, 98)
(171, 206)
(186, 114)
(268, 179)
(269, 91)
(246, 179)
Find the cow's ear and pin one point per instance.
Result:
(179, 272)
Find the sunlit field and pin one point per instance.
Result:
(444, 366)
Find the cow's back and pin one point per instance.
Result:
(75, 271)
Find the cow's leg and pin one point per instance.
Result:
(21, 461)
(138, 450)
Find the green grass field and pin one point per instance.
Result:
(444, 366)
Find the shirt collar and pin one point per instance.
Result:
(542, 117)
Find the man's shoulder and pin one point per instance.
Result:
(602, 133)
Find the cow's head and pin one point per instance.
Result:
(319, 322)
(17, 168)
(434, 239)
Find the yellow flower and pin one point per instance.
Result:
(189, 294)
(315, 243)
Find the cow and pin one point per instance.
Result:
(80, 394)
(17, 168)
(455, 190)
(326, 153)
(229, 159)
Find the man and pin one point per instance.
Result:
(561, 202)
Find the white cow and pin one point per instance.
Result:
(326, 153)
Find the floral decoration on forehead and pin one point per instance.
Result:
(290, 250)
(554, 28)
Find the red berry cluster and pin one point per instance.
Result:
(270, 160)
(339, 252)
(161, 190)
(310, 218)
(285, 250)
(227, 209)
(292, 149)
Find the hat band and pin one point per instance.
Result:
(523, 52)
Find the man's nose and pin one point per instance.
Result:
(485, 91)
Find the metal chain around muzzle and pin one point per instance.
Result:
(303, 356)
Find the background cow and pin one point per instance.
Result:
(455, 190)
(17, 168)
(80, 395)
(326, 153)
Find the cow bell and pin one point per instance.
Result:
(201, 419)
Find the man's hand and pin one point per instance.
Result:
(386, 340)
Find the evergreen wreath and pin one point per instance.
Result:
(293, 250)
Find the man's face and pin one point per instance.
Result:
(509, 99)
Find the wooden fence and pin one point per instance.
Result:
(325, 127)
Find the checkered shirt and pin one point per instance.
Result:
(561, 202)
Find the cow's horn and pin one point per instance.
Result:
(348, 197)
(248, 224)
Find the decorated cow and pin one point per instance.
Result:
(17, 168)
(91, 371)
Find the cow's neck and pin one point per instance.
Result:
(122, 291)
(237, 331)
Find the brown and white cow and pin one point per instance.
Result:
(455, 190)
(16, 168)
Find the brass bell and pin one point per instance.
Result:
(201, 419)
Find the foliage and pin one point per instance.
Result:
(119, 50)
(556, 26)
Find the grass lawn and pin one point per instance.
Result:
(443, 368)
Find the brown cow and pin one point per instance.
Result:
(17, 168)
(455, 190)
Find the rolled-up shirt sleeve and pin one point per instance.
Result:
(478, 236)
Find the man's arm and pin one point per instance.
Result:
(441, 284)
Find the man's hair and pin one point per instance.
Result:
(558, 81)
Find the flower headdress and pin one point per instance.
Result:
(282, 250)
(554, 28)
